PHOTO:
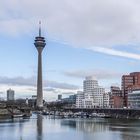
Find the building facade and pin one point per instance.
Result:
(59, 96)
(79, 99)
(116, 98)
(127, 81)
(92, 95)
(134, 96)
(10, 95)
(106, 100)
(98, 96)
(89, 84)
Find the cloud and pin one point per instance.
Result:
(99, 74)
(114, 52)
(61, 85)
(31, 81)
(79, 22)
(18, 81)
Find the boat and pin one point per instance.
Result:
(17, 115)
(103, 115)
(94, 115)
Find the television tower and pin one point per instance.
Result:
(39, 44)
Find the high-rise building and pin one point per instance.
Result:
(129, 81)
(39, 44)
(10, 95)
(59, 96)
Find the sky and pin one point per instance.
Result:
(83, 38)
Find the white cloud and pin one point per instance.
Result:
(31, 81)
(114, 52)
(79, 22)
(98, 73)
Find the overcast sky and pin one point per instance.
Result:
(92, 37)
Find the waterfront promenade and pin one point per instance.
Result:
(12, 109)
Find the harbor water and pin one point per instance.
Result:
(40, 127)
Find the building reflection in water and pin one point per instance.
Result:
(123, 129)
(91, 126)
(129, 129)
(39, 127)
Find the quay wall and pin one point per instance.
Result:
(113, 112)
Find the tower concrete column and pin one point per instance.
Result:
(39, 80)
(39, 44)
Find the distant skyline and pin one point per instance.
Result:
(99, 38)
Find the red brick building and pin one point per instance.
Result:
(116, 98)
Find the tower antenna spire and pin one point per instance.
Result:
(39, 28)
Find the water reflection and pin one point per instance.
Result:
(39, 127)
(42, 128)
(90, 126)
(118, 129)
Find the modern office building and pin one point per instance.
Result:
(39, 44)
(128, 81)
(69, 100)
(10, 95)
(59, 96)
(134, 96)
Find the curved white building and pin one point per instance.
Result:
(93, 94)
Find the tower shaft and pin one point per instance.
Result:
(39, 80)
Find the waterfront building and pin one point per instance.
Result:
(92, 95)
(39, 44)
(116, 102)
(134, 96)
(88, 103)
(115, 91)
(69, 100)
(98, 94)
(127, 81)
(92, 91)
(89, 84)
(79, 99)
(10, 95)
(116, 98)
(72, 99)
